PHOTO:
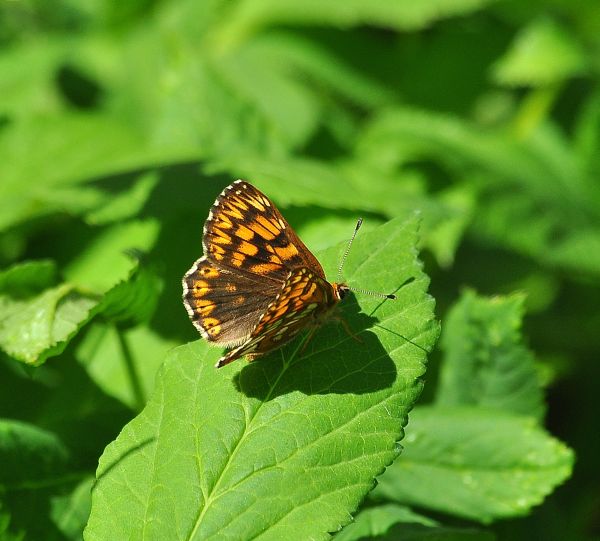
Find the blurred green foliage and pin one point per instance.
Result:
(121, 122)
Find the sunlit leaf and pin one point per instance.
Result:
(474, 463)
(486, 362)
(330, 415)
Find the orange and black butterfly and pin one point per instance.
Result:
(257, 285)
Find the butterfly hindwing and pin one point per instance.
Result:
(303, 299)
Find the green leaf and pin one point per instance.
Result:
(123, 362)
(35, 328)
(400, 15)
(30, 456)
(542, 54)
(70, 511)
(128, 203)
(133, 300)
(27, 277)
(418, 532)
(376, 521)
(105, 261)
(474, 463)
(221, 452)
(485, 361)
(533, 195)
(5, 533)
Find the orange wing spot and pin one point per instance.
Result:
(239, 300)
(224, 222)
(286, 252)
(270, 225)
(216, 250)
(206, 310)
(256, 203)
(239, 203)
(200, 288)
(264, 233)
(238, 259)
(244, 233)
(281, 311)
(308, 295)
(201, 303)
(209, 272)
(247, 248)
(214, 331)
(218, 257)
(210, 322)
(221, 239)
(264, 268)
(230, 210)
(230, 287)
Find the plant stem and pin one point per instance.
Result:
(134, 379)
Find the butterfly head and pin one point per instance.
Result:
(340, 290)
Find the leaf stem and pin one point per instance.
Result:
(132, 373)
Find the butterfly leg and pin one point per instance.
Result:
(348, 330)
(308, 338)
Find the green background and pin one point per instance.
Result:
(121, 122)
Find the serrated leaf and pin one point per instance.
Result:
(374, 522)
(485, 361)
(133, 300)
(543, 53)
(39, 325)
(474, 463)
(34, 328)
(105, 262)
(287, 446)
(418, 532)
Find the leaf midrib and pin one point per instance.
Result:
(213, 490)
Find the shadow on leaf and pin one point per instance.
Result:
(333, 362)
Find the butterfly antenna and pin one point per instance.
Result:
(339, 275)
(358, 224)
(373, 293)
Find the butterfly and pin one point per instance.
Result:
(257, 285)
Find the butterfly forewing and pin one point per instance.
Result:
(246, 231)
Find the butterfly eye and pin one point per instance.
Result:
(342, 290)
